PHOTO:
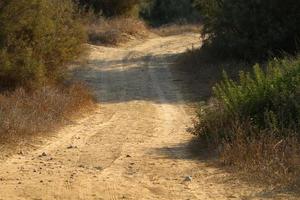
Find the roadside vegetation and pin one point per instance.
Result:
(252, 118)
(116, 31)
(38, 40)
(254, 123)
(25, 113)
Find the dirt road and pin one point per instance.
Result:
(134, 146)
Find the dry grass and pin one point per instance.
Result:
(264, 157)
(116, 30)
(25, 113)
(177, 29)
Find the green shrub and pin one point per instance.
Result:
(37, 39)
(251, 29)
(267, 100)
(256, 121)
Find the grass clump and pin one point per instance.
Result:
(255, 122)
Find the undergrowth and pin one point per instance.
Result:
(23, 112)
(255, 122)
(115, 31)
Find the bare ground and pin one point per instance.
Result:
(134, 146)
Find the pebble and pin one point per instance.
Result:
(71, 147)
(188, 179)
(98, 168)
(43, 154)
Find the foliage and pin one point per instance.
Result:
(257, 120)
(112, 7)
(37, 39)
(159, 12)
(251, 29)
(269, 100)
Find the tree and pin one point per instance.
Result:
(113, 7)
(166, 11)
(251, 29)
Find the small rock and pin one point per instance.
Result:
(43, 154)
(128, 156)
(19, 183)
(71, 147)
(98, 168)
(81, 166)
(188, 179)
(21, 153)
(41, 181)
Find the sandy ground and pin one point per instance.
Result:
(134, 146)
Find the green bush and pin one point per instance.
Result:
(267, 100)
(37, 39)
(251, 29)
(254, 124)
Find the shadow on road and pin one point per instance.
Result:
(143, 78)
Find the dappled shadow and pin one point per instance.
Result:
(138, 77)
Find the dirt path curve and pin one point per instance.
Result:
(135, 144)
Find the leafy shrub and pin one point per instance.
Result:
(251, 29)
(37, 39)
(257, 120)
(268, 100)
